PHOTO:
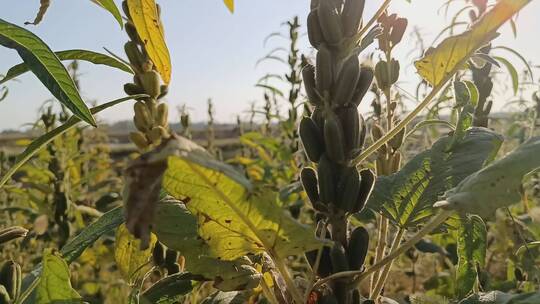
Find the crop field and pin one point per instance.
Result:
(363, 173)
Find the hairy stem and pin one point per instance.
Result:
(386, 270)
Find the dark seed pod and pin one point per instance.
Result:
(171, 257)
(318, 117)
(134, 55)
(12, 233)
(158, 254)
(133, 89)
(353, 129)
(356, 299)
(132, 32)
(398, 29)
(348, 189)
(396, 162)
(125, 8)
(172, 269)
(308, 176)
(330, 20)
(315, 34)
(333, 138)
(347, 81)
(314, 4)
(394, 71)
(358, 247)
(382, 76)
(328, 299)
(339, 258)
(11, 278)
(327, 185)
(308, 76)
(352, 16)
(311, 139)
(325, 264)
(364, 83)
(324, 76)
(367, 180)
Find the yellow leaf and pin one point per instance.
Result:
(131, 261)
(147, 22)
(54, 284)
(452, 53)
(229, 4)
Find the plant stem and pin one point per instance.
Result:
(386, 270)
(381, 246)
(291, 287)
(373, 19)
(429, 227)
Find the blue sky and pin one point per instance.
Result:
(213, 52)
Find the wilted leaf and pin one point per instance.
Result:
(111, 7)
(177, 229)
(54, 284)
(84, 55)
(46, 66)
(146, 19)
(43, 6)
(130, 259)
(229, 4)
(407, 196)
(497, 185)
(472, 246)
(234, 219)
(453, 52)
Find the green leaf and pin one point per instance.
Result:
(46, 66)
(471, 249)
(226, 298)
(451, 54)
(234, 219)
(74, 248)
(498, 297)
(513, 72)
(54, 284)
(177, 228)
(495, 186)
(407, 196)
(111, 7)
(84, 55)
(44, 139)
(169, 290)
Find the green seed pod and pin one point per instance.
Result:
(4, 295)
(151, 82)
(394, 71)
(12, 233)
(367, 180)
(134, 55)
(125, 8)
(326, 176)
(376, 131)
(348, 189)
(308, 176)
(143, 117)
(140, 125)
(340, 262)
(347, 81)
(364, 83)
(353, 129)
(133, 89)
(158, 254)
(352, 16)
(396, 141)
(171, 257)
(324, 76)
(157, 133)
(330, 20)
(396, 162)
(139, 140)
(162, 114)
(358, 247)
(11, 278)
(311, 139)
(308, 75)
(315, 34)
(333, 138)
(381, 74)
(132, 32)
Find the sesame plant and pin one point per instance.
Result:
(334, 209)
